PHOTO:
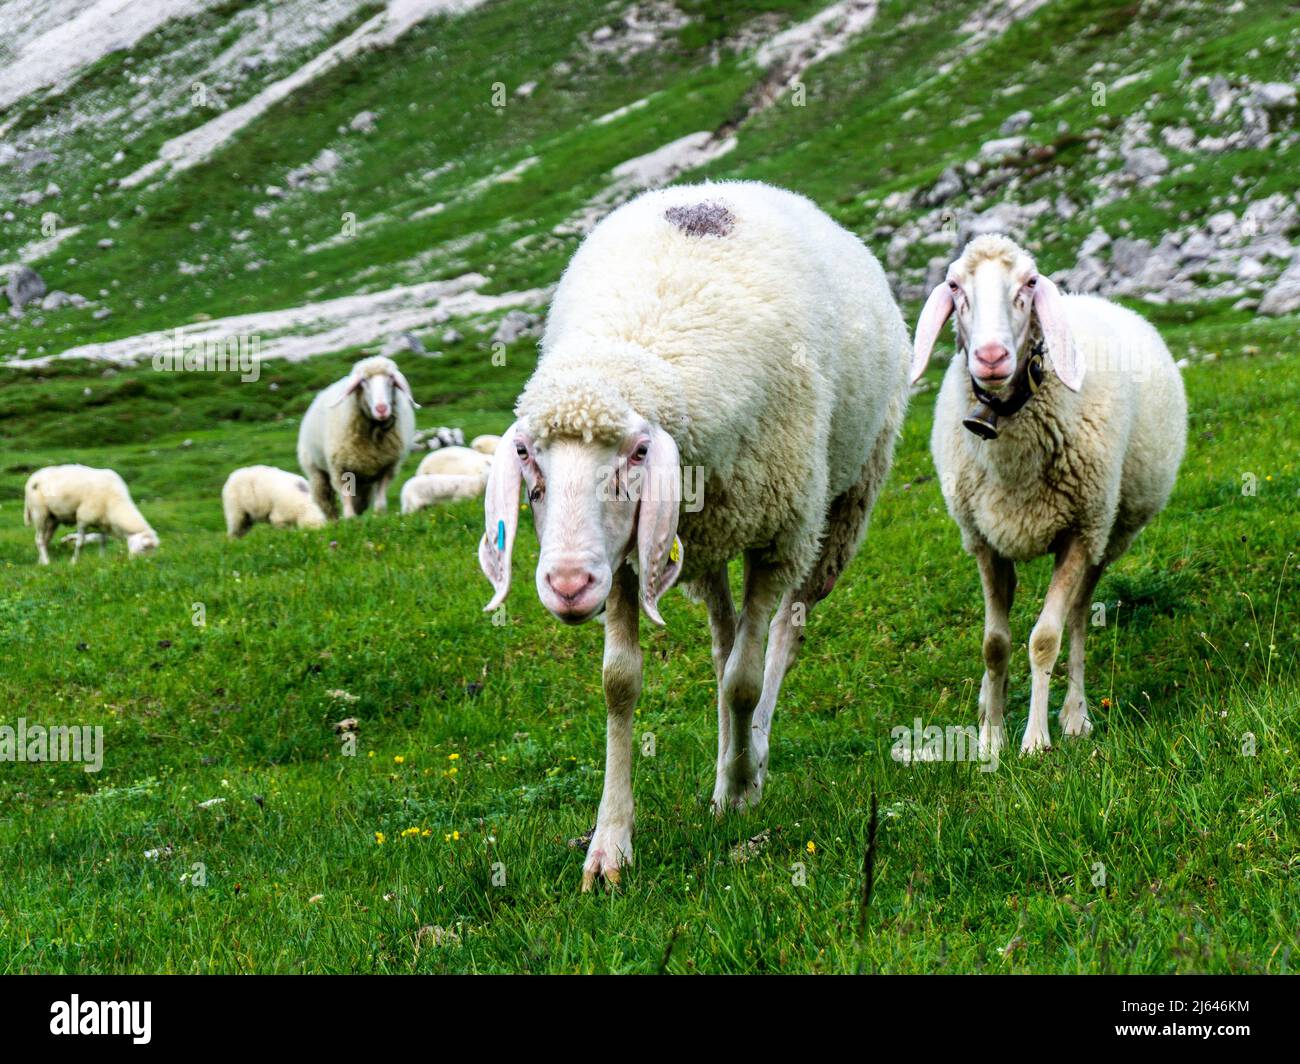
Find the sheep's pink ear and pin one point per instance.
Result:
(354, 382)
(1049, 305)
(659, 552)
(937, 310)
(501, 510)
(399, 379)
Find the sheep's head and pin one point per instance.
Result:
(373, 381)
(998, 297)
(595, 499)
(142, 542)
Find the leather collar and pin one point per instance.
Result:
(983, 420)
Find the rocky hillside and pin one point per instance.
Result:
(332, 175)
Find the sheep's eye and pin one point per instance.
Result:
(954, 286)
(522, 451)
(1031, 282)
(642, 449)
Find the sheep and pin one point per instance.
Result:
(421, 491)
(1075, 464)
(459, 461)
(354, 436)
(486, 444)
(723, 373)
(85, 497)
(264, 493)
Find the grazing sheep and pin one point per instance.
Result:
(354, 436)
(458, 461)
(421, 491)
(264, 493)
(486, 444)
(85, 497)
(1074, 464)
(723, 373)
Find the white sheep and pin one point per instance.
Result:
(723, 373)
(455, 461)
(1074, 463)
(421, 491)
(485, 444)
(264, 493)
(354, 436)
(87, 498)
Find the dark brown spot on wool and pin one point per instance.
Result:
(702, 219)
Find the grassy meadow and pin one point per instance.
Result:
(231, 830)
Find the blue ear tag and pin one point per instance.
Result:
(501, 535)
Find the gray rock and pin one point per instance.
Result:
(54, 300)
(403, 343)
(1094, 242)
(1130, 256)
(452, 337)
(1088, 275)
(948, 185)
(24, 286)
(364, 122)
(1015, 122)
(101, 313)
(1197, 247)
(1284, 296)
(30, 160)
(997, 151)
(516, 324)
(1145, 162)
(1274, 96)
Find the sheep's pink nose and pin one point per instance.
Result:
(381, 410)
(569, 583)
(992, 360)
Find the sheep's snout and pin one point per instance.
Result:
(572, 589)
(141, 542)
(991, 362)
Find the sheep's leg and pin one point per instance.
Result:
(715, 590)
(998, 575)
(740, 782)
(347, 489)
(1074, 712)
(611, 842)
(379, 494)
(1045, 640)
(44, 533)
(76, 543)
(846, 523)
(323, 493)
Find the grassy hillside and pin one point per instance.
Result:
(1166, 842)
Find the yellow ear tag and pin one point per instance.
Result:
(675, 551)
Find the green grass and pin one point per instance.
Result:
(975, 871)
(1197, 840)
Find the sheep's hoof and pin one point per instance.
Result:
(1035, 741)
(1074, 717)
(993, 738)
(739, 784)
(611, 849)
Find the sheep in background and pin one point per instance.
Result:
(85, 497)
(1074, 464)
(264, 493)
(733, 332)
(354, 436)
(421, 491)
(485, 444)
(456, 461)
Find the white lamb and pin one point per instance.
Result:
(354, 436)
(421, 491)
(87, 498)
(264, 493)
(485, 444)
(723, 373)
(455, 461)
(1029, 463)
